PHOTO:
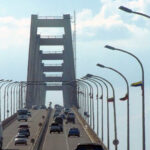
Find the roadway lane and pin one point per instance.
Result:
(11, 131)
(61, 141)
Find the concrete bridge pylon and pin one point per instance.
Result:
(37, 88)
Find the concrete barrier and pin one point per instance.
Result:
(92, 135)
(38, 141)
(8, 121)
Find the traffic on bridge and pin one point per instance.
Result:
(67, 99)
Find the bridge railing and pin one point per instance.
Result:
(50, 17)
(52, 65)
(51, 36)
(51, 52)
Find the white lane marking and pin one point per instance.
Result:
(9, 142)
(47, 132)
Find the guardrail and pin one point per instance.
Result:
(50, 17)
(51, 36)
(92, 135)
(52, 52)
(8, 121)
(53, 75)
(53, 65)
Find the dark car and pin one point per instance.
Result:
(62, 116)
(20, 141)
(74, 132)
(55, 127)
(70, 118)
(67, 110)
(42, 107)
(24, 125)
(59, 120)
(29, 113)
(24, 131)
(89, 146)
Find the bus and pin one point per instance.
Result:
(22, 114)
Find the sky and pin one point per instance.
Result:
(99, 22)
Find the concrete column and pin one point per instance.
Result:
(33, 31)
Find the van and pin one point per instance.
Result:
(22, 114)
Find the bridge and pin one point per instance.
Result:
(84, 97)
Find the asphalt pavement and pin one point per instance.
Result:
(55, 141)
(10, 132)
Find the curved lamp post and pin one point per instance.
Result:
(6, 94)
(133, 12)
(114, 107)
(91, 98)
(101, 97)
(3, 83)
(97, 97)
(127, 97)
(143, 91)
(98, 79)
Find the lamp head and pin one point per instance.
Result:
(125, 9)
(100, 65)
(89, 75)
(110, 47)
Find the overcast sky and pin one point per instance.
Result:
(99, 22)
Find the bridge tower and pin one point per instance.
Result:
(38, 82)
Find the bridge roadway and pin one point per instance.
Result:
(55, 141)
(11, 131)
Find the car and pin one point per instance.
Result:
(67, 110)
(29, 113)
(74, 132)
(24, 125)
(89, 146)
(42, 107)
(20, 141)
(24, 131)
(55, 127)
(62, 116)
(70, 117)
(35, 107)
(59, 120)
(20, 136)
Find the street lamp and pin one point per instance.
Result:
(93, 80)
(126, 97)
(91, 98)
(102, 112)
(116, 142)
(97, 96)
(143, 92)
(133, 12)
